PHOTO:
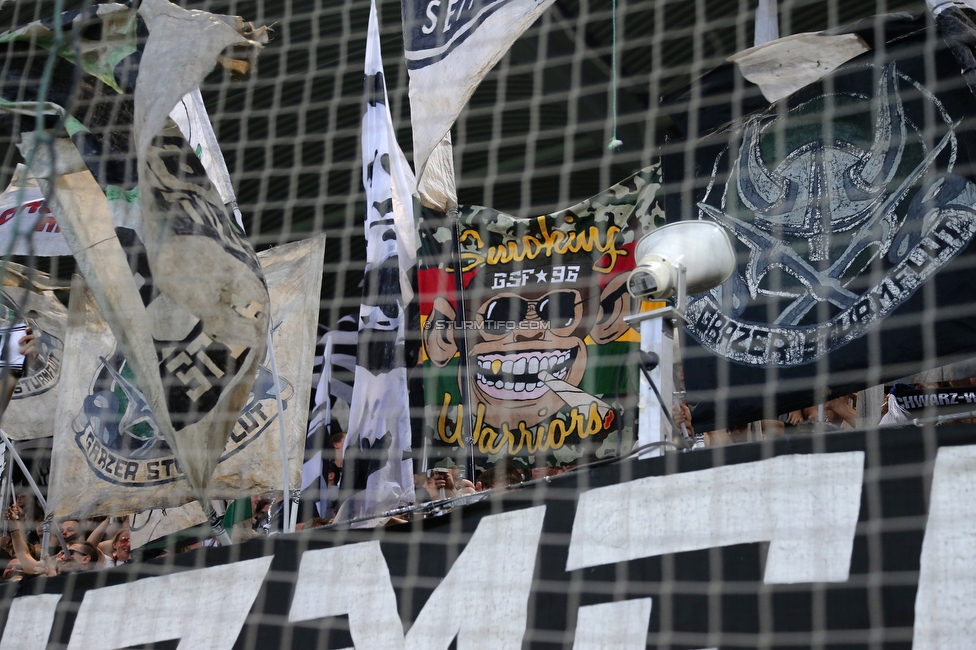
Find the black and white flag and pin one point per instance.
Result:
(852, 205)
(450, 47)
(332, 375)
(377, 462)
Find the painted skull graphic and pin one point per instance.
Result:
(848, 223)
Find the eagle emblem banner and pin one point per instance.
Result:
(851, 205)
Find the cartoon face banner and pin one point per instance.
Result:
(31, 411)
(109, 455)
(540, 325)
(853, 213)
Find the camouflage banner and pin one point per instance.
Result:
(541, 319)
(110, 456)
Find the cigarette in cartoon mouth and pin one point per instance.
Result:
(576, 397)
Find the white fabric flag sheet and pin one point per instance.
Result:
(24, 301)
(376, 461)
(110, 457)
(450, 47)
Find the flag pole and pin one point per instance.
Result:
(462, 342)
(216, 523)
(33, 485)
(7, 484)
(286, 526)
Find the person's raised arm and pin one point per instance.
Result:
(842, 409)
(98, 534)
(14, 515)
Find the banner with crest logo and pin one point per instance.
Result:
(148, 278)
(549, 363)
(110, 457)
(852, 206)
(25, 300)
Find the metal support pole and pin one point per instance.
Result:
(657, 331)
(657, 335)
(7, 484)
(283, 442)
(462, 342)
(30, 480)
(46, 536)
(216, 524)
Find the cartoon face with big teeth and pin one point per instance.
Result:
(521, 335)
(516, 334)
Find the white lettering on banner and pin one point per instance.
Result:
(613, 626)
(205, 609)
(486, 593)
(492, 578)
(353, 580)
(945, 604)
(29, 622)
(806, 506)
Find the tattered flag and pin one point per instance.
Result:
(449, 48)
(110, 454)
(377, 463)
(185, 298)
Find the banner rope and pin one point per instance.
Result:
(614, 143)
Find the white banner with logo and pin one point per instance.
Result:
(110, 457)
(23, 300)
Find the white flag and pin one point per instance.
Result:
(28, 227)
(194, 122)
(376, 461)
(23, 299)
(110, 457)
(450, 47)
(335, 368)
(187, 285)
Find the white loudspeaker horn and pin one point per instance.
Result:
(699, 248)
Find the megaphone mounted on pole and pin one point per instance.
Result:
(672, 261)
